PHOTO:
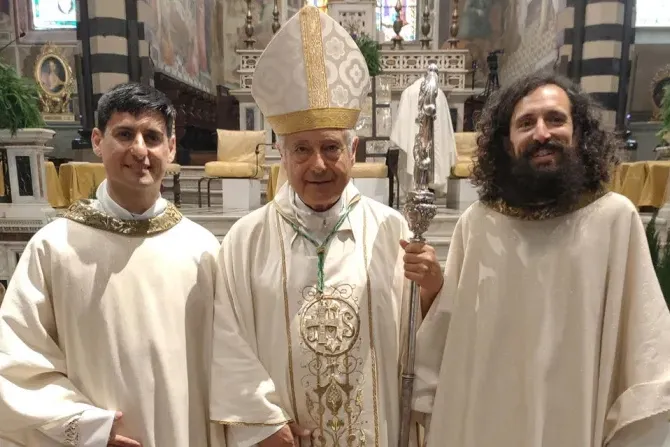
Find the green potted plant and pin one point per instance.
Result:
(371, 52)
(664, 133)
(660, 256)
(21, 121)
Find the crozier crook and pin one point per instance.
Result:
(419, 211)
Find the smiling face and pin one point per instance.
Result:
(317, 164)
(541, 129)
(135, 151)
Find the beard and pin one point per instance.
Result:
(558, 186)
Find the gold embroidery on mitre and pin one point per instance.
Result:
(312, 119)
(84, 213)
(335, 379)
(312, 50)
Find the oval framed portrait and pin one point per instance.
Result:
(52, 74)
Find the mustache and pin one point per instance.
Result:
(537, 146)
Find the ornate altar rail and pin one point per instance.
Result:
(402, 66)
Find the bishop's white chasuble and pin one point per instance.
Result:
(550, 332)
(284, 350)
(104, 314)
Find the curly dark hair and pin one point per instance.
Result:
(598, 147)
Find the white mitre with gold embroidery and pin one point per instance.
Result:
(310, 76)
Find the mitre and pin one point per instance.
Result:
(310, 76)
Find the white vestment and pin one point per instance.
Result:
(547, 333)
(105, 315)
(405, 129)
(282, 354)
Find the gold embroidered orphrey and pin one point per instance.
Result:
(332, 361)
(84, 213)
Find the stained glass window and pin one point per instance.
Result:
(54, 14)
(322, 4)
(386, 15)
(650, 13)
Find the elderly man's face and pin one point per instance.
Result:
(541, 128)
(318, 164)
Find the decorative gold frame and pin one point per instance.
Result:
(662, 75)
(55, 103)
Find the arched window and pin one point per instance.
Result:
(651, 13)
(386, 15)
(53, 14)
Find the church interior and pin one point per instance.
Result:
(202, 54)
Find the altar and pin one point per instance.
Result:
(401, 63)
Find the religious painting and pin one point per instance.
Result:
(184, 40)
(53, 76)
(54, 14)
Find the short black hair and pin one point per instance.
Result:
(598, 147)
(136, 99)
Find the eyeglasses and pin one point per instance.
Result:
(303, 153)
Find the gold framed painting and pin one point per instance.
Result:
(54, 78)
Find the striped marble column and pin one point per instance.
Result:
(599, 63)
(113, 51)
(602, 60)
(565, 22)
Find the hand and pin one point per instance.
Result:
(422, 267)
(288, 436)
(117, 440)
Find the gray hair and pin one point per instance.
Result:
(349, 136)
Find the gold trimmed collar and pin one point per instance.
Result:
(83, 212)
(543, 212)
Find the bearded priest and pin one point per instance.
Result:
(105, 329)
(552, 329)
(308, 329)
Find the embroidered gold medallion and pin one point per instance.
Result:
(330, 326)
